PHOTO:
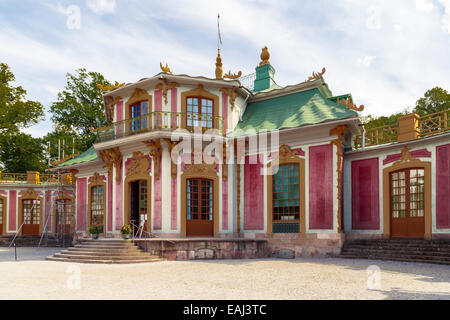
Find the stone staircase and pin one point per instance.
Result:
(407, 250)
(105, 251)
(29, 241)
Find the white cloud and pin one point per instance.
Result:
(366, 61)
(373, 18)
(424, 6)
(102, 6)
(446, 17)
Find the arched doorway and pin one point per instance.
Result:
(139, 205)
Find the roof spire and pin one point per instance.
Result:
(219, 70)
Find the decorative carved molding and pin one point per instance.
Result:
(97, 179)
(232, 94)
(110, 102)
(232, 76)
(265, 56)
(285, 154)
(407, 157)
(138, 96)
(111, 87)
(155, 153)
(165, 68)
(30, 194)
(339, 131)
(165, 86)
(112, 158)
(317, 75)
(350, 105)
(201, 170)
(225, 163)
(138, 165)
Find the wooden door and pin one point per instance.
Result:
(2, 215)
(31, 214)
(199, 208)
(408, 203)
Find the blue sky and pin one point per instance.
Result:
(386, 53)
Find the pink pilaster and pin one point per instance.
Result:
(443, 187)
(109, 221)
(225, 111)
(81, 204)
(174, 224)
(174, 106)
(157, 203)
(321, 187)
(119, 215)
(225, 204)
(12, 209)
(253, 194)
(48, 208)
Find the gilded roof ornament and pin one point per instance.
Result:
(219, 70)
(110, 88)
(230, 75)
(265, 56)
(317, 75)
(165, 86)
(350, 105)
(165, 68)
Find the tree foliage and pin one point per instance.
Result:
(21, 152)
(15, 111)
(80, 106)
(434, 100)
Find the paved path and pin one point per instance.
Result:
(35, 278)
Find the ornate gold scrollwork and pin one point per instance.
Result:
(165, 68)
(112, 158)
(155, 153)
(317, 75)
(165, 86)
(350, 105)
(265, 56)
(232, 94)
(232, 76)
(111, 87)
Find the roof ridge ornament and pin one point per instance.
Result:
(317, 75)
(219, 70)
(165, 68)
(350, 105)
(232, 76)
(265, 56)
(111, 87)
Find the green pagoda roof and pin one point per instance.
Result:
(88, 155)
(291, 111)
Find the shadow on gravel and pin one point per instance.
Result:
(397, 294)
(26, 254)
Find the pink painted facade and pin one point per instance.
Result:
(119, 203)
(81, 204)
(443, 187)
(12, 210)
(157, 202)
(174, 215)
(321, 187)
(109, 221)
(253, 194)
(225, 204)
(365, 195)
(174, 105)
(423, 153)
(225, 111)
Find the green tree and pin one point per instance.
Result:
(80, 106)
(15, 111)
(371, 121)
(21, 152)
(69, 142)
(434, 100)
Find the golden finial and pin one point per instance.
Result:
(230, 75)
(219, 70)
(166, 68)
(350, 105)
(265, 56)
(110, 88)
(317, 75)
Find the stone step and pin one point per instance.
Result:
(398, 245)
(103, 253)
(111, 247)
(385, 251)
(108, 257)
(400, 242)
(96, 250)
(106, 241)
(105, 261)
(396, 249)
(395, 259)
(398, 255)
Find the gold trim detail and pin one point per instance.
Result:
(110, 102)
(350, 105)
(339, 131)
(265, 56)
(219, 69)
(317, 75)
(30, 194)
(232, 76)
(199, 92)
(112, 158)
(406, 158)
(165, 68)
(94, 181)
(165, 86)
(155, 153)
(138, 95)
(231, 94)
(111, 87)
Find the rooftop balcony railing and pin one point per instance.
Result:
(408, 127)
(35, 178)
(159, 121)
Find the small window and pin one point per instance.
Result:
(139, 112)
(31, 211)
(97, 205)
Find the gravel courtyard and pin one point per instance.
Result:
(34, 278)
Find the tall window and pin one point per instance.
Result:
(31, 211)
(97, 205)
(199, 199)
(199, 112)
(138, 115)
(286, 199)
